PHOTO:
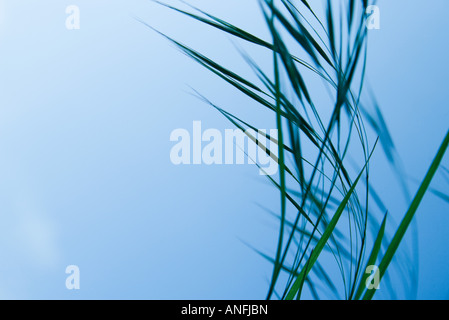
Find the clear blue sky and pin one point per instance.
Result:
(85, 173)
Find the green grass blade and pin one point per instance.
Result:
(281, 163)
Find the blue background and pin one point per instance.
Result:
(85, 173)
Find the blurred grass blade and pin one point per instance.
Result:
(400, 232)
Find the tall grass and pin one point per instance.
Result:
(328, 207)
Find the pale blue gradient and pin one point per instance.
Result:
(85, 173)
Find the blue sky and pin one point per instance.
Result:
(86, 179)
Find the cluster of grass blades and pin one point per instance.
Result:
(328, 208)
